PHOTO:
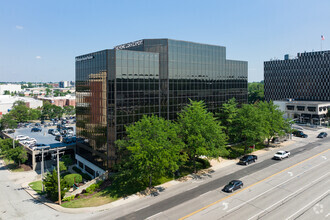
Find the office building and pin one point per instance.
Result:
(305, 77)
(117, 87)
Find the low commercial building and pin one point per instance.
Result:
(305, 111)
(10, 87)
(68, 100)
(7, 102)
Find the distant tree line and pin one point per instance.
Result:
(21, 113)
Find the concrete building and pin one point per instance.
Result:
(305, 77)
(10, 87)
(311, 112)
(7, 101)
(64, 84)
(116, 87)
(68, 100)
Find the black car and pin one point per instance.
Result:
(58, 138)
(233, 185)
(322, 135)
(247, 159)
(50, 131)
(300, 134)
(36, 130)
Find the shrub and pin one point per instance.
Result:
(93, 187)
(84, 175)
(73, 178)
(69, 198)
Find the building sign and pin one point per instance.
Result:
(89, 57)
(128, 45)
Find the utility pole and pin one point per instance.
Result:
(58, 177)
(42, 167)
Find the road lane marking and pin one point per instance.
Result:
(243, 203)
(308, 205)
(154, 215)
(220, 200)
(306, 186)
(142, 207)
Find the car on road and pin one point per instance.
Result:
(247, 159)
(322, 135)
(232, 186)
(280, 155)
(300, 134)
(36, 130)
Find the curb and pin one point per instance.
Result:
(133, 197)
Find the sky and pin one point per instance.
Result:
(39, 40)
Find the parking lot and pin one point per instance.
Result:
(41, 137)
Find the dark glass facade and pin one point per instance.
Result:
(306, 77)
(116, 87)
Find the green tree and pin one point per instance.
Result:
(69, 110)
(6, 92)
(6, 144)
(227, 115)
(153, 147)
(62, 166)
(7, 121)
(17, 154)
(256, 92)
(20, 111)
(249, 127)
(51, 185)
(273, 121)
(48, 91)
(34, 114)
(51, 111)
(201, 132)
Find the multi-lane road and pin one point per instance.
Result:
(295, 188)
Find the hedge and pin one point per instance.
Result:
(73, 178)
(84, 175)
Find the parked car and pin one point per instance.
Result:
(36, 130)
(247, 159)
(280, 155)
(322, 135)
(21, 137)
(50, 131)
(300, 134)
(58, 138)
(37, 124)
(233, 185)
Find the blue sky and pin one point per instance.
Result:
(40, 39)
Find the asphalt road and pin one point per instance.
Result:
(286, 195)
(16, 203)
(205, 192)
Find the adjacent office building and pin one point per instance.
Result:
(305, 77)
(117, 87)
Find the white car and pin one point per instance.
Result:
(56, 132)
(21, 137)
(280, 155)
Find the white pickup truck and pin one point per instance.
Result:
(281, 155)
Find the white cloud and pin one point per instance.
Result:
(38, 57)
(19, 27)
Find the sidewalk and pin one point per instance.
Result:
(215, 165)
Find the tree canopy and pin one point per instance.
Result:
(200, 132)
(153, 148)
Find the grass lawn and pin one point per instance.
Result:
(37, 186)
(12, 166)
(97, 199)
